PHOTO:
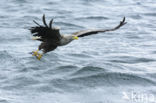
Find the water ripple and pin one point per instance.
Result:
(111, 79)
(93, 18)
(113, 62)
(131, 60)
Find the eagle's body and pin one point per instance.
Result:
(66, 39)
(51, 37)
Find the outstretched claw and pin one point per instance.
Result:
(35, 53)
(39, 56)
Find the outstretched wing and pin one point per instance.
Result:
(45, 33)
(90, 32)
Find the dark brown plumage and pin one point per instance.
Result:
(49, 36)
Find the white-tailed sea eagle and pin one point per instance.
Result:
(51, 38)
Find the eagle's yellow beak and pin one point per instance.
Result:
(76, 38)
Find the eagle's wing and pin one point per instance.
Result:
(46, 33)
(95, 31)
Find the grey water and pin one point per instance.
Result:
(111, 67)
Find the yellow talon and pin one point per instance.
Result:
(39, 56)
(35, 53)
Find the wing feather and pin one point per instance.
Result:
(50, 23)
(44, 32)
(95, 31)
(44, 21)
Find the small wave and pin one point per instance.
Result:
(68, 66)
(154, 52)
(20, 1)
(63, 70)
(88, 70)
(80, 55)
(68, 24)
(3, 101)
(111, 79)
(152, 75)
(92, 18)
(101, 79)
(150, 14)
(4, 54)
(131, 60)
(19, 82)
(137, 16)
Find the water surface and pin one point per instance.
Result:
(101, 68)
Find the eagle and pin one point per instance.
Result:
(51, 38)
